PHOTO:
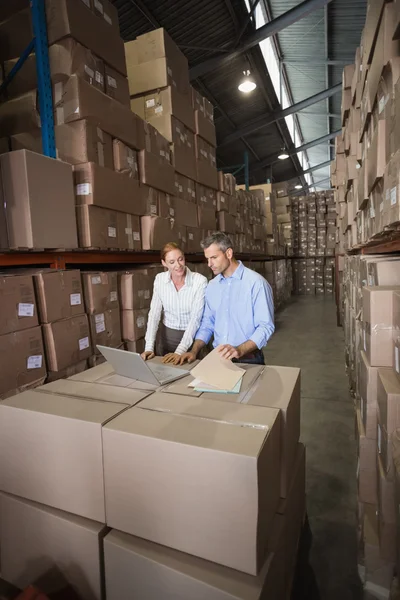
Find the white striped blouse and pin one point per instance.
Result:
(181, 310)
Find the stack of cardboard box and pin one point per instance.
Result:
(166, 501)
(314, 224)
(314, 276)
(365, 171)
(278, 273)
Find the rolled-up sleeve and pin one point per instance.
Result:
(195, 318)
(263, 313)
(206, 329)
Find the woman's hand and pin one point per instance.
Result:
(147, 355)
(171, 358)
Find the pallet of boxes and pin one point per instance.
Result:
(154, 493)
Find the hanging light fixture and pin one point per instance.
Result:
(283, 155)
(298, 187)
(248, 84)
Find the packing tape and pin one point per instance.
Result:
(244, 397)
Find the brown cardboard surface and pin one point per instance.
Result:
(19, 114)
(386, 496)
(67, 342)
(194, 238)
(158, 106)
(185, 213)
(95, 391)
(23, 360)
(38, 201)
(183, 151)
(168, 426)
(107, 229)
(206, 163)
(205, 128)
(156, 172)
(76, 99)
(31, 140)
(100, 291)
(206, 217)
(31, 550)
(70, 18)
(18, 303)
(125, 159)
(105, 329)
(389, 410)
(368, 381)
(366, 465)
(227, 222)
(108, 189)
(82, 142)
(59, 294)
(158, 231)
(70, 477)
(116, 85)
(377, 156)
(12, 45)
(378, 323)
(134, 324)
(136, 289)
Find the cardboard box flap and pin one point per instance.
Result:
(64, 406)
(206, 425)
(95, 373)
(95, 391)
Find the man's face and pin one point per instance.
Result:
(218, 261)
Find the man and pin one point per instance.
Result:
(239, 307)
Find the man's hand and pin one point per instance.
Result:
(171, 358)
(186, 357)
(227, 351)
(147, 355)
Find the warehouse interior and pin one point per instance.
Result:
(164, 435)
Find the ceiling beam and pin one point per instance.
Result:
(265, 121)
(316, 61)
(317, 167)
(269, 29)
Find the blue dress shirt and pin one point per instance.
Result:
(237, 309)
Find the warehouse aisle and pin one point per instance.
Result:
(307, 337)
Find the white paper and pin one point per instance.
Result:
(153, 209)
(136, 236)
(140, 321)
(96, 280)
(35, 362)
(112, 82)
(217, 371)
(158, 110)
(83, 343)
(150, 103)
(75, 299)
(393, 196)
(112, 232)
(99, 78)
(83, 189)
(100, 327)
(89, 71)
(26, 309)
(113, 296)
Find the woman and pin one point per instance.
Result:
(178, 295)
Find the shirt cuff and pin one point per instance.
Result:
(258, 338)
(149, 348)
(180, 350)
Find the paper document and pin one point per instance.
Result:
(199, 386)
(218, 372)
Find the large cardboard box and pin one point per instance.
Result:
(154, 61)
(116, 85)
(38, 202)
(134, 324)
(185, 213)
(171, 433)
(59, 294)
(207, 173)
(205, 128)
(367, 390)
(158, 106)
(136, 289)
(156, 172)
(206, 197)
(384, 272)
(194, 238)
(23, 361)
(388, 414)
(105, 329)
(70, 477)
(20, 114)
(67, 342)
(70, 18)
(83, 142)
(75, 100)
(227, 222)
(386, 497)
(18, 303)
(183, 149)
(158, 231)
(207, 218)
(50, 547)
(125, 159)
(377, 325)
(108, 189)
(101, 390)
(105, 229)
(366, 463)
(100, 291)
(378, 570)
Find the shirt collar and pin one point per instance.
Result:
(188, 277)
(237, 274)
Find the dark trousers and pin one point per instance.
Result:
(255, 358)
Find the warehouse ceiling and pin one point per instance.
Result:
(311, 51)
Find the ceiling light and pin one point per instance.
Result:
(248, 84)
(298, 187)
(283, 155)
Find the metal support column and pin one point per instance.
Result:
(246, 170)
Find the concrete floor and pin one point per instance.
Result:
(307, 337)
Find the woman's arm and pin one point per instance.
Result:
(154, 318)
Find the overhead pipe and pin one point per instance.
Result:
(269, 29)
(267, 120)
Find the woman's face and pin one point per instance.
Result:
(174, 262)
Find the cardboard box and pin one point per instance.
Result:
(105, 329)
(31, 550)
(67, 342)
(366, 463)
(136, 289)
(158, 106)
(116, 85)
(185, 213)
(377, 324)
(70, 477)
(367, 390)
(19, 114)
(194, 238)
(386, 497)
(134, 324)
(222, 202)
(388, 414)
(125, 159)
(82, 142)
(183, 152)
(23, 360)
(76, 100)
(205, 128)
(12, 45)
(206, 163)
(59, 294)
(71, 18)
(67, 57)
(18, 303)
(154, 61)
(391, 201)
(150, 424)
(377, 156)
(226, 222)
(100, 291)
(107, 229)
(206, 197)
(383, 272)
(207, 218)
(37, 202)
(158, 231)
(105, 188)
(156, 172)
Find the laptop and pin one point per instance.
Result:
(132, 365)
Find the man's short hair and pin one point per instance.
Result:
(222, 240)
